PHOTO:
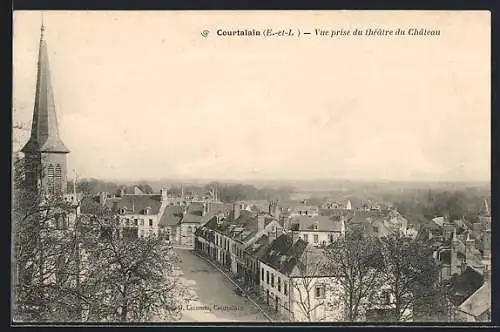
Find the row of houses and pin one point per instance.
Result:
(463, 251)
(280, 265)
(279, 255)
(141, 214)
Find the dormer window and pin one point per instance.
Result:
(315, 227)
(123, 210)
(147, 210)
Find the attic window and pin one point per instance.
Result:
(315, 227)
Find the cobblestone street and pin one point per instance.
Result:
(214, 294)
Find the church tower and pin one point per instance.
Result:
(45, 153)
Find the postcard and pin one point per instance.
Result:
(251, 166)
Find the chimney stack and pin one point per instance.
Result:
(487, 244)
(486, 273)
(164, 194)
(206, 209)
(470, 245)
(236, 210)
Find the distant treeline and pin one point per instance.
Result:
(226, 192)
(422, 205)
(94, 186)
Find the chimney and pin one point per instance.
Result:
(487, 244)
(205, 209)
(277, 211)
(486, 273)
(236, 210)
(261, 223)
(163, 194)
(455, 263)
(470, 245)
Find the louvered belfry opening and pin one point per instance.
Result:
(50, 180)
(58, 180)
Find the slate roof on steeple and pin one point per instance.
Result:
(44, 129)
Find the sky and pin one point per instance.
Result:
(143, 95)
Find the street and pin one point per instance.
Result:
(215, 296)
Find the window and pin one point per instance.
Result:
(136, 223)
(267, 277)
(305, 237)
(272, 280)
(279, 284)
(316, 238)
(320, 292)
(150, 222)
(331, 238)
(285, 288)
(262, 270)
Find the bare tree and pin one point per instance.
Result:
(309, 285)
(40, 235)
(85, 270)
(354, 262)
(409, 273)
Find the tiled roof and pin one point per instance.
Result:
(312, 263)
(136, 204)
(464, 285)
(302, 207)
(323, 223)
(334, 212)
(283, 254)
(171, 216)
(242, 229)
(256, 205)
(259, 247)
(479, 301)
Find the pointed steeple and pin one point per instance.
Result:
(44, 130)
(485, 210)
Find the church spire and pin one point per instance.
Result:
(44, 130)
